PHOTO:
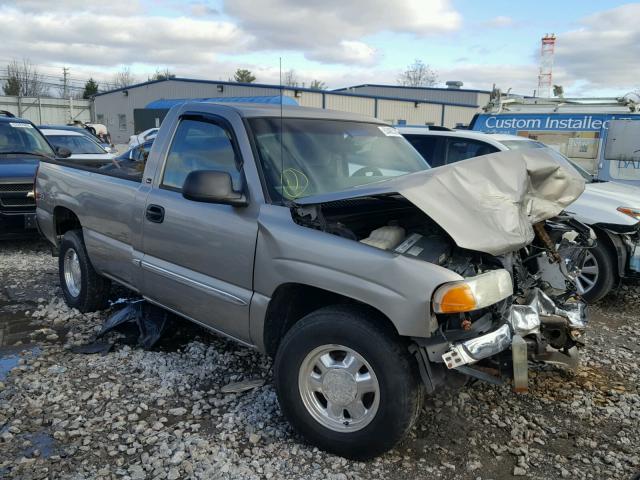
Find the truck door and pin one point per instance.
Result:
(198, 257)
(621, 162)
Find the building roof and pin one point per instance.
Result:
(441, 89)
(272, 100)
(299, 89)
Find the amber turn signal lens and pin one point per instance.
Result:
(473, 293)
(458, 299)
(632, 212)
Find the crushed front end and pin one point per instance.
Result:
(537, 301)
(497, 222)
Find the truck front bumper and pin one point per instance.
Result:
(17, 225)
(528, 320)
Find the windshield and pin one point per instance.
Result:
(522, 144)
(304, 157)
(586, 175)
(24, 138)
(78, 144)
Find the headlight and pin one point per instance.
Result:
(473, 293)
(632, 212)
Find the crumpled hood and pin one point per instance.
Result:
(487, 203)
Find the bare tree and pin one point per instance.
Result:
(418, 74)
(23, 79)
(290, 79)
(123, 78)
(165, 74)
(317, 85)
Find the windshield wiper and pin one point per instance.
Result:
(27, 153)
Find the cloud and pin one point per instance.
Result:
(353, 52)
(500, 21)
(210, 39)
(334, 31)
(110, 40)
(119, 7)
(521, 79)
(603, 52)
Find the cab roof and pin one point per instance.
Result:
(253, 110)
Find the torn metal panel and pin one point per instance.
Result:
(490, 203)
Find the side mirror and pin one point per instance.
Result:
(212, 186)
(63, 152)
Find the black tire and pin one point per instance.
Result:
(93, 288)
(606, 262)
(400, 390)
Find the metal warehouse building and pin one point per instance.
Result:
(123, 110)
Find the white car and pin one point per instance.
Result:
(81, 146)
(139, 139)
(611, 209)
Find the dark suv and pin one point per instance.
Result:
(21, 147)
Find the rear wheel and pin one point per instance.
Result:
(598, 273)
(347, 384)
(82, 286)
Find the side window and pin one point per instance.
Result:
(461, 149)
(122, 121)
(199, 145)
(426, 145)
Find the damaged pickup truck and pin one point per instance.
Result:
(323, 239)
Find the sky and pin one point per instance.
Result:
(341, 43)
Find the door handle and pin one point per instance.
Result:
(155, 213)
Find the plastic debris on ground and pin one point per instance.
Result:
(244, 386)
(140, 321)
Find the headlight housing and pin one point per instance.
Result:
(632, 212)
(473, 293)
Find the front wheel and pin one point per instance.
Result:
(597, 275)
(82, 286)
(347, 384)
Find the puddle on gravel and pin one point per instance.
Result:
(16, 340)
(10, 357)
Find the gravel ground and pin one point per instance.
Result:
(161, 414)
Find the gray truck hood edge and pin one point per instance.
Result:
(487, 203)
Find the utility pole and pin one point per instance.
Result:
(65, 82)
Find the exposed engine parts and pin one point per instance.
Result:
(545, 308)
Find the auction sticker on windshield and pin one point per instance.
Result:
(21, 125)
(390, 131)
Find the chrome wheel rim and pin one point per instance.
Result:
(72, 272)
(339, 388)
(588, 275)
